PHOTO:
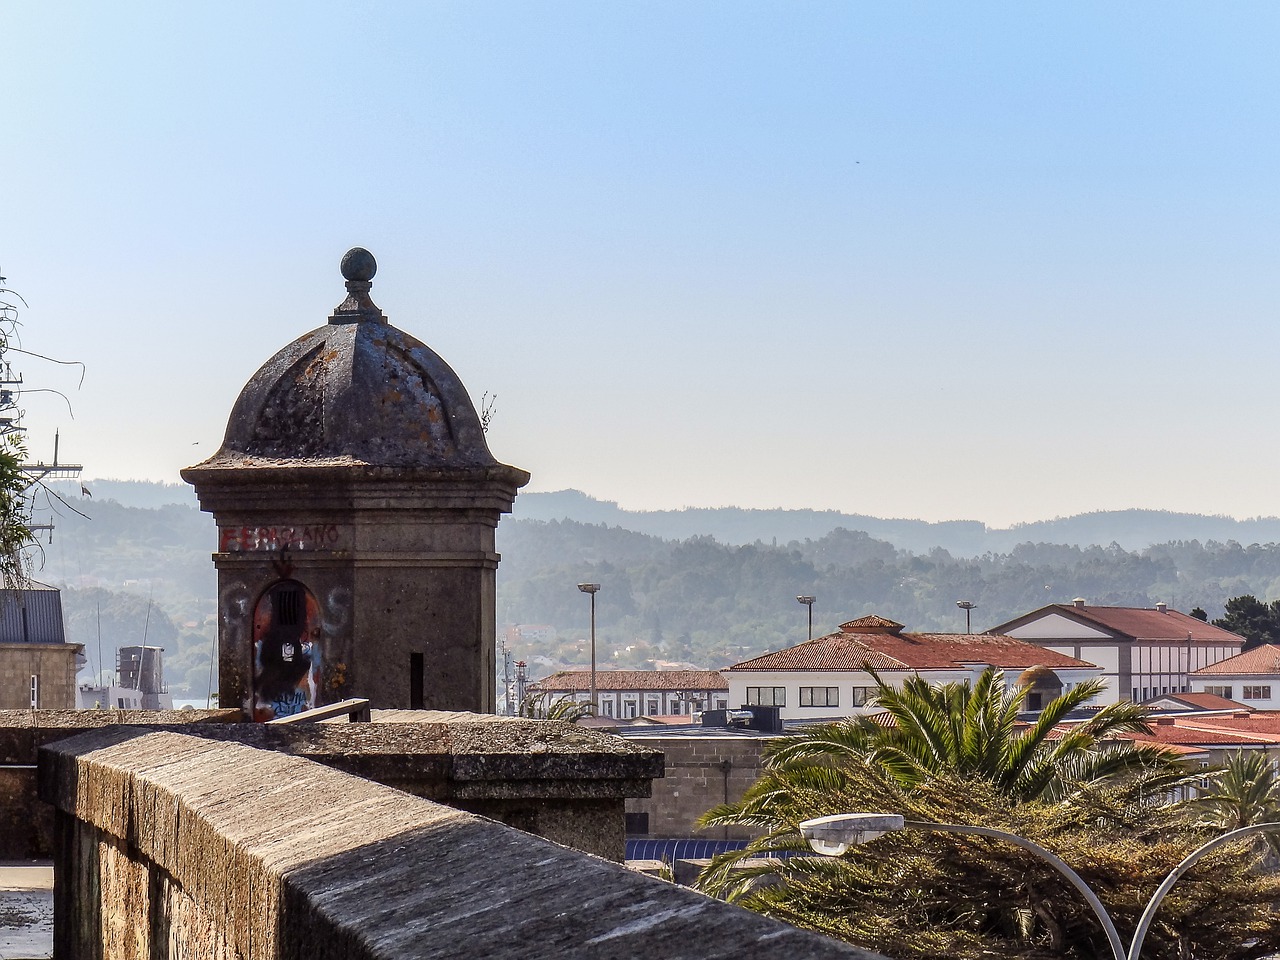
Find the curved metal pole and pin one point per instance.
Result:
(1144, 924)
(1117, 947)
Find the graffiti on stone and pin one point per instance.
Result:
(274, 538)
(288, 661)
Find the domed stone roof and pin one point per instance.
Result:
(355, 391)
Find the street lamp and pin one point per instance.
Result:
(966, 606)
(834, 835)
(808, 602)
(592, 589)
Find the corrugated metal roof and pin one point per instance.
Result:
(31, 616)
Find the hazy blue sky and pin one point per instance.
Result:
(991, 261)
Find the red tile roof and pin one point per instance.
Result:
(1135, 623)
(1197, 737)
(1261, 722)
(1202, 701)
(1263, 661)
(567, 680)
(884, 647)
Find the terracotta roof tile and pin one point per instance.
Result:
(850, 650)
(1262, 722)
(1263, 661)
(567, 680)
(1190, 736)
(871, 624)
(1203, 701)
(1138, 623)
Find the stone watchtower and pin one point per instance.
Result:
(356, 503)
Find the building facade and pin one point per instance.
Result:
(827, 677)
(1143, 652)
(37, 666)
(628, 694)
(1251, 678)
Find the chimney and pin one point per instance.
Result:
(1078, 602)
(1162, 607)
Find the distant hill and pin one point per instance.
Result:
(1131, 529)
(129, 493)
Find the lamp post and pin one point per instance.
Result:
(967, 606)
(832, 836)
(808, 602)
(592, 588)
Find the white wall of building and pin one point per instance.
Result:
(854, 688)
(1263, 691)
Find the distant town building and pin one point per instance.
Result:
(37, 665)
(1251, 678)
(827, 676)
(139, 683)
(535, 634)
(1144, 652)
(627, 694)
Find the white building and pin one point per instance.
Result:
(1143, 652)
(827, 677)
(627, 694)
(1251, 678)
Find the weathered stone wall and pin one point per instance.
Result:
(53, 663)
(26, 823)
(700, 773)
(173, 846)
(554, 779)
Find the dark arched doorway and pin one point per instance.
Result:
(286, 651)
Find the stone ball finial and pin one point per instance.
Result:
(358, 264)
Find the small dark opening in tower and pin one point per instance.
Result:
(415, 681)
(288, 603)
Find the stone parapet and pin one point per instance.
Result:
(171, 845)
(548, 777)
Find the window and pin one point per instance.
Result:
(1256, 692)
(416, 685)
(651, 706)
(766, 696)
(1134, 698)
(637, 824)
(819, 696)
(722, 703)
(606, 707)
(630, 707)
(1224, 692)
(863, 696)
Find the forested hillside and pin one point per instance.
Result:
(148, 570)
(711, 603)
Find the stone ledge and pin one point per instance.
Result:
(272, 855)
(466, 756)
(23, 732)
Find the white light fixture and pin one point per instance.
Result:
(834, 835)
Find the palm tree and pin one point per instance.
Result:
(959, 753)
(1245, 791)
(541, 706)
(973, 730)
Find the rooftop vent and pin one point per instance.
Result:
(1078, 602)
(1162, 607)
